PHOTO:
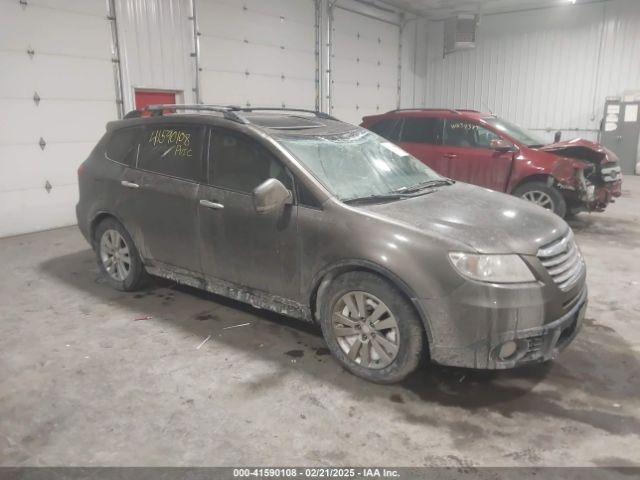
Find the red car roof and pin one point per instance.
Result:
(428, 112)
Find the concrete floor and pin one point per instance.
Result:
(85, 379)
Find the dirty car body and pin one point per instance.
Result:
(495, 281)
(488, 151)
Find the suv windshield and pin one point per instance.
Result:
(359, 164)
(515, 131)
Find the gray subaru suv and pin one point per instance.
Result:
(296, 212)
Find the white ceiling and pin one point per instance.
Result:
(447, 8)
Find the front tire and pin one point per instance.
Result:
(117, 256)
(371, 328)
(541, 194)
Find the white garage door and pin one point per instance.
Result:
(70, 70)
(257, 52)
(364, 66)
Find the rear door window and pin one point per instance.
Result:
(123, 144)
(422, 130)
(465, 134)
(239, 163)
(174, 150)
(388, 128)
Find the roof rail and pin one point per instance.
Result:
(423, 110)
(317, 113)
(229, 112)
(452, 110)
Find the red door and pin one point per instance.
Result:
(470, 158)
(145, 98)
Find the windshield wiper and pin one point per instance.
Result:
(426, 184)
(376, 198)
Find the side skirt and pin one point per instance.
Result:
(255, 298)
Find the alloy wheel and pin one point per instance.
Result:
(114, 254)
(366, 330)
(539, 198)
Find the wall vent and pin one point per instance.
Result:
(460, 33)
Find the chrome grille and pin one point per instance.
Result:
(563, 261)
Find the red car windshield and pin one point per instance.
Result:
(515, 131)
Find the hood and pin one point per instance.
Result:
(484, 220)
(581, 149)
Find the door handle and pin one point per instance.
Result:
(124, 183)
(213, 205)
(449, 155)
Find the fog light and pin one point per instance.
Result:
(507, 350)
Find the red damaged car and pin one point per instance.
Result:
(482, 149)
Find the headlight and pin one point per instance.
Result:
(492, 268)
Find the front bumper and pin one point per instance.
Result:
(468, 333)
(605, 195)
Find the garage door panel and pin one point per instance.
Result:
(261, 54)
(231, 21)
(348, 114)
(25, 78)
(349, 47)
(239, 57)
(227, 54)
(65, 33)
(21, 209)
(58, 121)
(224, 88)
(364, 73)
(273, 91)
(238, 89)
(220, 19)
(72, 73)
(364, 66)
(29, 167)
(364, 96)
(89, 7)
(296, 10)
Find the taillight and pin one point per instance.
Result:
(80, 169)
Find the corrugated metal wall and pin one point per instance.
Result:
(414, 63)
(547, 69)
(156, 42)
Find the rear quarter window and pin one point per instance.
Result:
(388, 128)
(122, 145)
(174, 150)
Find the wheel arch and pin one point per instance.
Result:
(97, 219)
(323, 278)
(537, 177)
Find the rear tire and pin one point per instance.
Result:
(541, 194)
(371, 328)
(117, 256)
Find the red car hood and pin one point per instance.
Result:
(582, 150)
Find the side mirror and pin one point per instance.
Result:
(502, 146)
(557, 137)
(270, 195)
